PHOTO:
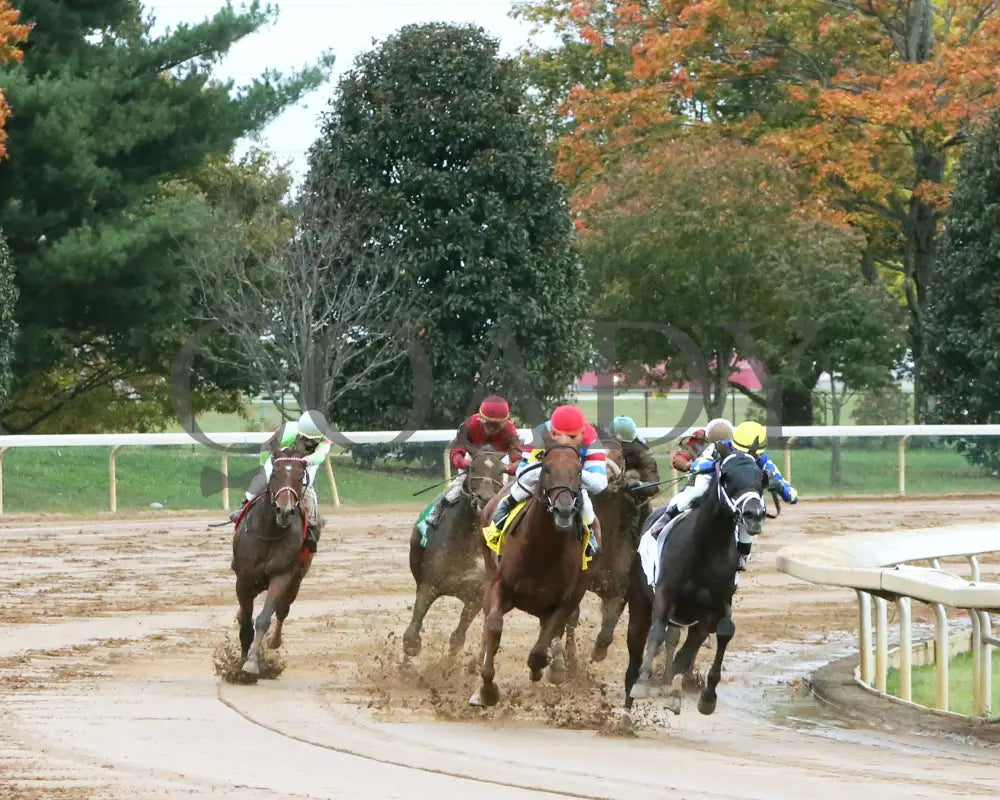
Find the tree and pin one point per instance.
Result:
(712, 239)
(11, 35)
(88, 393)
(8, 326)
(106, 115)
(962, 322)
(427, 131)
(872, 98)
(302, 302)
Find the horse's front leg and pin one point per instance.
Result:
(282, 606)
(662, 607)
(551, 630)
(724, 632)
(670, 676)
(275, 590)
(244, 617)
(611, 611)
(571, 623)
(495, 604)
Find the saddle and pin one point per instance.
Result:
(496, 535)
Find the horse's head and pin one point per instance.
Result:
(741, 487)
(485, 477)
(288, 475)
(559, 483)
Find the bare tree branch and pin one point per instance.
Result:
(308, 301)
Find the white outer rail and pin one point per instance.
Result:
(873, 564)
(791, 433)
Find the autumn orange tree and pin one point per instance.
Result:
(11, 35)
(870, 99)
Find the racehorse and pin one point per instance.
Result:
(619, 513)
(540, 569)
(268, 553)
(450, 565)
(695, 584)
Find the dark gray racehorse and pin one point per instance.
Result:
(695, 584)
(452, 564)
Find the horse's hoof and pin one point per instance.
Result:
(274, 643)
(599, 653)
(535, 675)
(411, 648)
(557, 676)
(251, 668)
(706, 707)
(485, 696)
(674, 704)
(640, 690)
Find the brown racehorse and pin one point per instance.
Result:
(540, 570)
(268, 554)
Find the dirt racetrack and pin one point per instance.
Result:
(107, 687)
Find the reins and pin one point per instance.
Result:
(296, 495)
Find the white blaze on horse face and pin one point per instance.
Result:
(288, 469)
(488, 462)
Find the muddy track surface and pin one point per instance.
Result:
(112, 629)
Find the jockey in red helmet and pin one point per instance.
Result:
(566, 421)
(490, 427)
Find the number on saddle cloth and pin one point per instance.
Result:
(422, 522)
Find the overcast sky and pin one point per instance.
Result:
(305, 28)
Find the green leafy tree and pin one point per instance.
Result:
(86, 394)
(709, 238)
(427, 131)
(963, 323)
(107, 114)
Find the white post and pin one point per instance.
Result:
(3, 452)
(978, 701)
(333, 482)
(881, 644)
(986, 629)
(902, 464)
(788, 457)
(447, 463)
(865, 636)
(977, 663)
(113, 477)
(225, 481)
(941, 654)
(905, 649)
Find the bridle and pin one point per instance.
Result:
(296, 496)
(551, 493)
(471, 482)
(739, 504)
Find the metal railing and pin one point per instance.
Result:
(875, 565)
(904, 433)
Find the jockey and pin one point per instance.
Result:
(491, 426)
(637, 456)
(565, 421)
(309, 431)
(689, 447)
(748, 437)
(717, 430)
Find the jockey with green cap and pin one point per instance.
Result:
(638, 460)
(309, 431)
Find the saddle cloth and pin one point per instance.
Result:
(496, 535)
(651, 548)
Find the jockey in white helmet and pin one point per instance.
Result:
(309, 431)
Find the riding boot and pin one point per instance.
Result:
(236, 514)
(668, 515)
(504, 507)
(743, 549)
(435, 516)
(312, 539)
(594, 543)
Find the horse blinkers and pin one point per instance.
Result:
(565, 514)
